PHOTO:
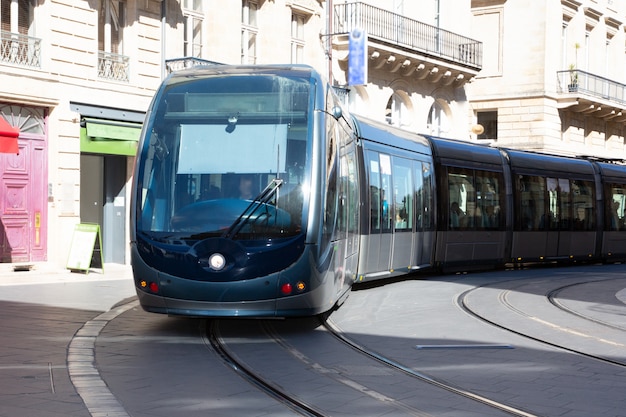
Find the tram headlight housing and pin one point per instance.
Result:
(217, 262)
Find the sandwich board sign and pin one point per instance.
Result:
(86, 248)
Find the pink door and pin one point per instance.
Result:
(24, 188)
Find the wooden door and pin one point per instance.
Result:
(24, 188)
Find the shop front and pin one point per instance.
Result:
(108, 143)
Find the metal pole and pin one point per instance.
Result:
(163, 32)
(329, 26)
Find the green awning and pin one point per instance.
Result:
(109, 137)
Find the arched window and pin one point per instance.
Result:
(397, 110)
(358, 100)
(29, 120)
(438, 123)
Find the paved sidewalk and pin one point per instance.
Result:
(98, 290)
(42, 311)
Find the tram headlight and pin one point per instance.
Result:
(217, 262)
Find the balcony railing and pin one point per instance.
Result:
(578, 81)
(177, 64)
(113, 66)
(396, 29)
(20, 49)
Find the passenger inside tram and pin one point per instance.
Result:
(456, 215)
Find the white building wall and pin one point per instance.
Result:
(526, 44)
(68, 73)
(416, 92)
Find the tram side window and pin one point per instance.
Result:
(402, 194)
(419, 194)
(342, 200)
(583, 205)
(386, 193)
(353, 193)
(374, 191)
(332, 191)
(380, 191)
(560, 210)
(460, 197)
(530, 204)
(615, 205)
(426, 193)
(474, 198)
(488, 203)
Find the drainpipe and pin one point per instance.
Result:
(163, 31)
(329, 31)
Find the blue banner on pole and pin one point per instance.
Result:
(357, 57)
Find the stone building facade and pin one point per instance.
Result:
(553, 75)
(420, 57)
(76, 77)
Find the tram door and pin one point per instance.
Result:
(556, 218)
(551, 220)
(403, 256)
(390, 245)
(386, 213)
(349, 215)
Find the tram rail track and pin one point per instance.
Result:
(552, 298)
(421, 376)
(275, 389)
(212, 337)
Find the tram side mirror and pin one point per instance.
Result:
(337, 112)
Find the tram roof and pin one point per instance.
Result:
(459, 152)
(388, 135)
(614, 172)
(209, 70)
(529, 162)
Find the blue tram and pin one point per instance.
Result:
(245, 197)
(256, 194)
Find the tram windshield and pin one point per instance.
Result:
(225, 155)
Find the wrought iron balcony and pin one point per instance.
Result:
(394, 29)
(113, 66)
(581, 82)
(20, 49)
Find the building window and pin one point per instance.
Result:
(17, 16)
(297, 38)
(193, 21)
(17, 45)
(111, 21)
(438, 123)
(112, 64)
(249, 31)
(489, 121)
(397, 112)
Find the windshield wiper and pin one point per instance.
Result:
(263, 198)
